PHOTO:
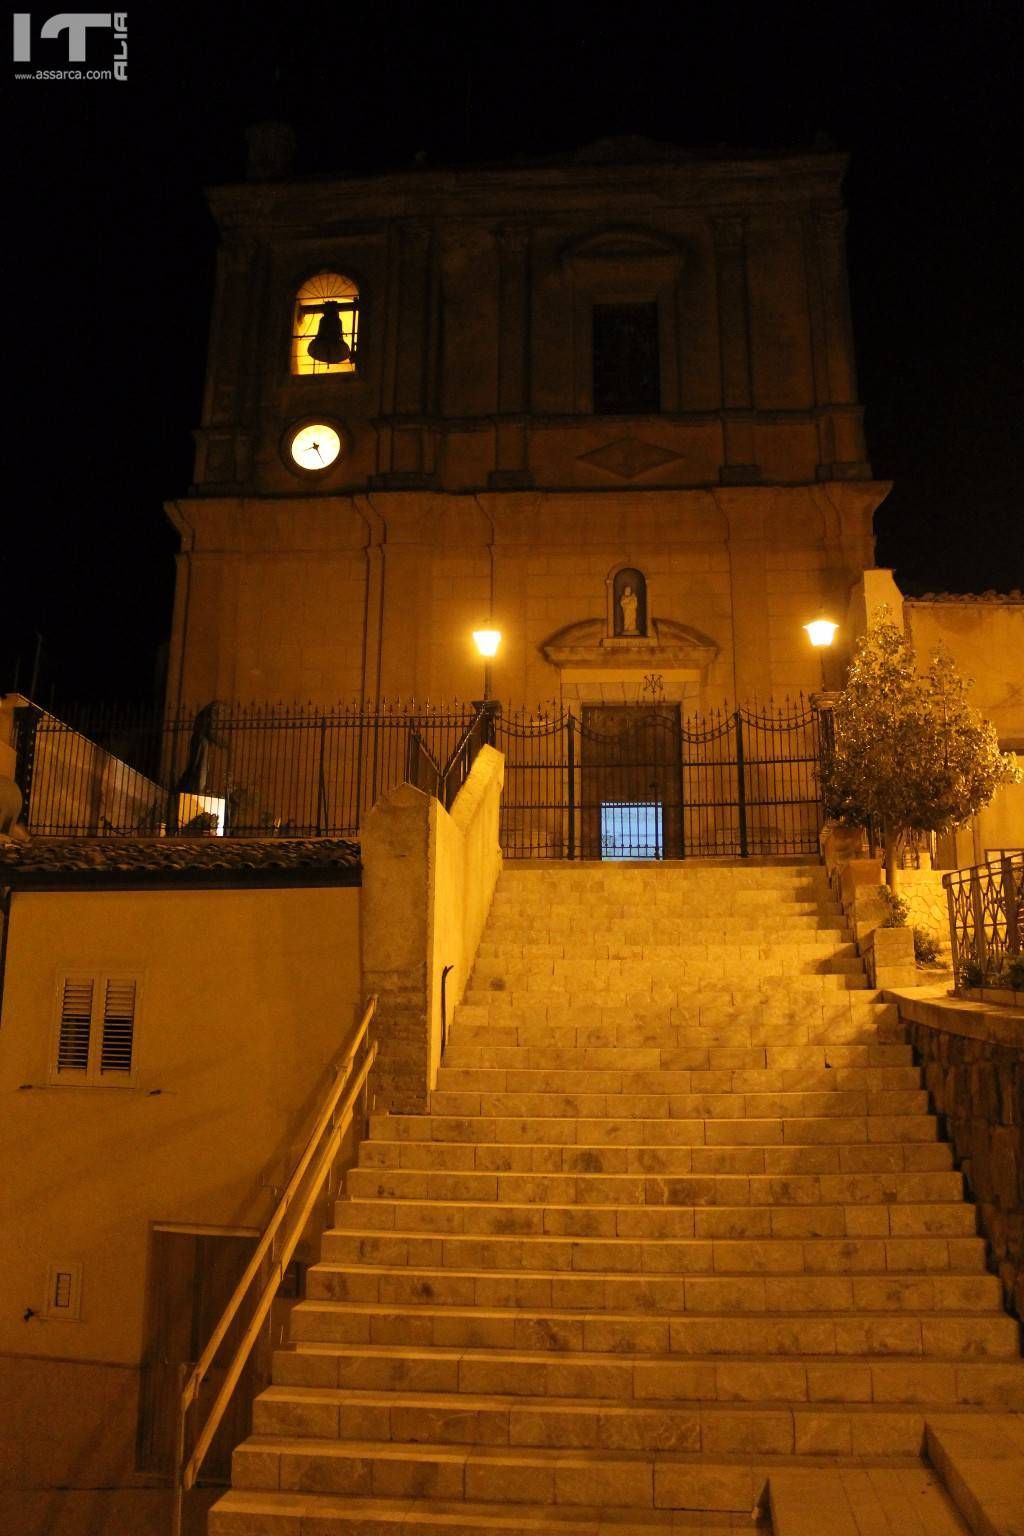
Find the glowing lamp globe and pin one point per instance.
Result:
(821, 631)
(487, 641)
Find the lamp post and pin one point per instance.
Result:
(821, 632)
(487, 642)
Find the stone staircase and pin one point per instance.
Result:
(678, 1216)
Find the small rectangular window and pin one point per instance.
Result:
(96, 1029)
(627, 371)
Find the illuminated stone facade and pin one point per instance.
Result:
(478, 481)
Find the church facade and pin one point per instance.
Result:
(605, 404)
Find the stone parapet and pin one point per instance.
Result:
(428, 878)
(888, 955)
(973, 1060)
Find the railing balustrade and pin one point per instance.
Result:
(986, 918)
(272, 1256)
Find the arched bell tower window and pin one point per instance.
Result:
(325, 326)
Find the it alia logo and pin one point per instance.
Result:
(75, 26)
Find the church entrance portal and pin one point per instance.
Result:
(630, 782)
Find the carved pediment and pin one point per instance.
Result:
(670, 645)
(622, 254)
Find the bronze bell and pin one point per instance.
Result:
(329, 345)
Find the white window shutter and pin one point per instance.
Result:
(118, 1026)
(75, 1025)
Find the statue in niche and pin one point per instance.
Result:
(628, 616)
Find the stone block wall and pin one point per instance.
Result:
(922, 891)
(974, 1070)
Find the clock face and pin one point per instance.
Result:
(315, 447)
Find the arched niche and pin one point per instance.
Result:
(627, 602)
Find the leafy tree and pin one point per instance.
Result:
(909, 752)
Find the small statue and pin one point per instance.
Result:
(628, 604)
(193, 779)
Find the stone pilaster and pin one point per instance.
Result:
(739, 454)
(511, 441)
(841, 438)
(748, 578)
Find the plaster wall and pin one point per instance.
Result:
(986, 640)
(382, 596)
(246, 996)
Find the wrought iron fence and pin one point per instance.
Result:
(986, 918)
(245, 771)
(616, 781)
(645, 782)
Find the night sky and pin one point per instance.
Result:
(109, 250)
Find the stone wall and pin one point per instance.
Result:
(428, 878)
(973, 1061)
(922, 891)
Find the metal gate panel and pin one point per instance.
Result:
(723, 784)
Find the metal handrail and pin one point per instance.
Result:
(335, 1114)
(986, 914)
(479, 733)
(421, 767)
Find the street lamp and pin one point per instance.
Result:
(487, 642)
(821, 632)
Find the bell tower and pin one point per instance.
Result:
(438, 398)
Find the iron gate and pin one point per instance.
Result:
(642, 781)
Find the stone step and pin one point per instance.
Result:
(360, 1279)
(694, 1058)
(638, 1240)
(907, 1496)
(736, 992)
(281, 1479)
(709, 1324)
(605, 943)
(551, 1043)
(665, 1079)
(731, 1029)
(716, 1417)
(633, 905)
(512, 1157)
(695, 961)
(816, 1130)
(633, 1378)
(635, 936)
(809, 944)
(246, 1512)
(850, 1104)
(938, 1194)
(506, 1476)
